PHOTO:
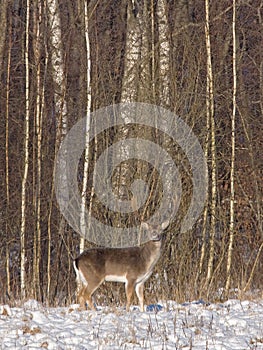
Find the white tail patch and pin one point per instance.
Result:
(79, 276)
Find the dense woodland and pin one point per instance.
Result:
(202, 60)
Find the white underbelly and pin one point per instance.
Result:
(114, 278)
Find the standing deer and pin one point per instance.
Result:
(132, 266)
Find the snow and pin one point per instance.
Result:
(232, 325)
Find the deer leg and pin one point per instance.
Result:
(129, 287)
(139, 292)
(81, 298)
(85, 294)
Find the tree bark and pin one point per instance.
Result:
(83, 224)
(210, 113)
(26, 159)
(59, 79)
(232, 170)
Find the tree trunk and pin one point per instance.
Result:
(58, 70)
(232, 171)
(26, 160)
(210, 114)
(83, 224)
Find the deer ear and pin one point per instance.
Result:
(145, 225)
(165, 224)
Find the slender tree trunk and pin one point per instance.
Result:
(210, 114)
(205, 214)
(153, 53)
(232, 171)
(26, 160)
(7, 157)
(83, 224)
(38, 129)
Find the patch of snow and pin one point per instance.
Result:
(233, 325)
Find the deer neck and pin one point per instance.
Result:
(153, 249)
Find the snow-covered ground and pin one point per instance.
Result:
(196, 325)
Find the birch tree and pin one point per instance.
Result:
(164, 54)
(38, 131)
(83, 223)
(133, 47)
(58, 65)
(134, 66)
(210, 116)
(58, 73)
(232, 170)
(26, 157)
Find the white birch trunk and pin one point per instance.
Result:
(58, 65)
(60, 103)
(26, 160)
(205, 214)
(146, 80)
(210, 114)
(134, 67)
(137, 83)
(232, 170)
(83, 224)
(130, 83)
(38, 119)
(164, 53)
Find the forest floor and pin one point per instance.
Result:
(232, 325)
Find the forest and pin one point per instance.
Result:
(61, 61)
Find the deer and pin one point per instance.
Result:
(132, 266)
